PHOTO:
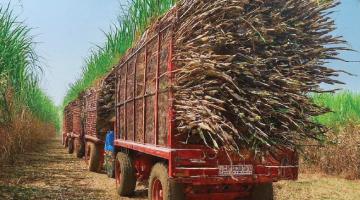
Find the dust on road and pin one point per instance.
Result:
(50, 173)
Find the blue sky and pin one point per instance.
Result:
(347, 19)
(66, 30)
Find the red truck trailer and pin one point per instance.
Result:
(80, 134)
(93, 139)
(98, 120)
(149, 148)
(67, 126)
(73, 130)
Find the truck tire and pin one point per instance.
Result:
(125, 175)
(63, 141)
(70, 146)
(81, 152)
(263, 192)
(93, 157)
(160, 187)
(66, 142)
(78, 148)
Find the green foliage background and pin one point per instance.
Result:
(19, 73)
(345, 108)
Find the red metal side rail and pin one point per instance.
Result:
(144, 95)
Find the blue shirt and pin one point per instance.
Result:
(109, 141)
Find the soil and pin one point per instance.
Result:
(51, 173)
(318, 186)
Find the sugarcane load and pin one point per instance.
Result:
(211, 100)
(245, 69)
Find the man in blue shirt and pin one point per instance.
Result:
(109, 141)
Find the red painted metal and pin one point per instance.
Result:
(72, 128)
(171, 98)
(157, 190)
(134, 105)
(144, 97)
(217, 192)
(171, 120)
(161, 152)
(143, 165)
(210, 176)
(188, 164)
(118, 112)
(217, 196)
(90, 101)
(116, 125)
(125, 99)
(156, 113)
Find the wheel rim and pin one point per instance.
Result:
(117, 172)
(157, 190)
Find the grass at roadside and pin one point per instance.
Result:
(27, 114)
(345, 107)
(340, 154)
(318, 187)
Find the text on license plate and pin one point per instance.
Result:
(235, 170)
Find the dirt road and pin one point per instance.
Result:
(50, 173)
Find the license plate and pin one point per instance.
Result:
(235, 170)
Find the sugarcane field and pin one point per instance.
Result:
(180, 100)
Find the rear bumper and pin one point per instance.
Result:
(196, 176)
(231, 188)
(202, 167)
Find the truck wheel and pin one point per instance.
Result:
(70, 146)
(77, 148)
(93, 157)
(81, 152)
(63, 141)
(66, 142)
(125, 174)
(263, 192)
(160, 187)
